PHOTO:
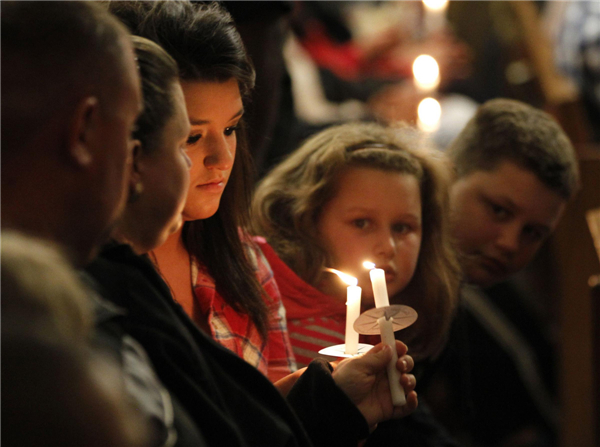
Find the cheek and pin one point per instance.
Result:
(523, 258)
(408, 258)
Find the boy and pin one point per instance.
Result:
(515, 172)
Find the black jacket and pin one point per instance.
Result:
(231, 402)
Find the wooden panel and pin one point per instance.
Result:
(574, 254)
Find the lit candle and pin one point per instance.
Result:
(353, 293)
(435, 12)
(429, 114)
(387, 331)
(426, 72)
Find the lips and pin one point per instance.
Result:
(390, 274)
(214, 185)
(493, 266)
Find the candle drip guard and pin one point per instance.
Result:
(403, 316)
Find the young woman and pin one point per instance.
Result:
(353, 193)
(217, 398)
(214, 271)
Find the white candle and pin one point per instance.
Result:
(352, 313)
(353, 293)
(387, 337)
(387, 332)
(435, 14)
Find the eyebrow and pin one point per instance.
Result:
(357, 209)
(195, 122)
(543, 227)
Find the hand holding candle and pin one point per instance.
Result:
(387, 332)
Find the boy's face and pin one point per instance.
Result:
(500, 219)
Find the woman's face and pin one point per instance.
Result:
(165, 175)
(214, 109)
(374, 216)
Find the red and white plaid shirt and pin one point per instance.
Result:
(315, 320)
(274, 356)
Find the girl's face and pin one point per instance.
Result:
(214, 109)
(165, 176)
(375, 216)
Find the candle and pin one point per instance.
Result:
(426, 72)
(435, 12)
(387, 331)
(429, 114)
(353, 293)
(387, 337)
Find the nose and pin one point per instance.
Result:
(221, 154)
(385, 247)
(508, 239)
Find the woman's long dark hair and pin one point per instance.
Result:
(203, 40)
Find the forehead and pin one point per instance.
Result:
(180, 117)
(514, 187)
(207, 99)
(375, 187)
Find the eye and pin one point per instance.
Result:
(401, 228)
(532, 234)
(361, 223)
(499, 211)
(231, 130)
(192, 139)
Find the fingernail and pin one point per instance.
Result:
(404, 365)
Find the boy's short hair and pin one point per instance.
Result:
(509, 130)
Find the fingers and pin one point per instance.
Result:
(412, 402)
(405, 364)
(401, 348)
(408, 382)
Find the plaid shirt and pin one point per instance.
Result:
(273, 357)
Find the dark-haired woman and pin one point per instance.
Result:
(220, 279)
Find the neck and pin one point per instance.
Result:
(172, 248)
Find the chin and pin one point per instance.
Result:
(483, 279)
(200, 214)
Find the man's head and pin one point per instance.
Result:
(516, 169)
(70, 98)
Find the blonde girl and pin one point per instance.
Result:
(351, 193)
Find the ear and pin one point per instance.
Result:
(83, 132)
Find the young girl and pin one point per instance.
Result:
(220, 279)
(353, 193)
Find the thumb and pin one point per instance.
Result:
(377, 358)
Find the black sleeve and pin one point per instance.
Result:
(327, 414)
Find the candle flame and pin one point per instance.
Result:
(350, 280)
(435, 5)
(429, 113)
(426, 72)
(368, 265)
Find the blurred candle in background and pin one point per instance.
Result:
(434, 15)
(429, 114)
(426, 72)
